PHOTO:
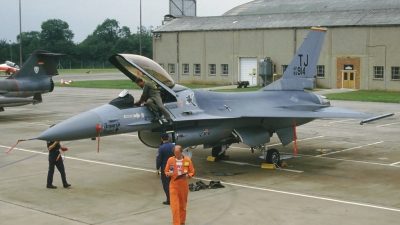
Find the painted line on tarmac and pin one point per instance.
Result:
(305, 139)
(83, 160)
(39, 124)
(231, 184)
(389, 124)
(348, 160)
(349, 149)
(240, 163)
(394, 164)
(313, 197)
(340, 121)
(249, 164)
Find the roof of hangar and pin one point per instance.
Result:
(382, 17)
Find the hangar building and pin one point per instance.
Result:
(360, 51)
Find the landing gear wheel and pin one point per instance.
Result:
(215, 153)
(273, 156)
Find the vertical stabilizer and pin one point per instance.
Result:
(39, 63)
(300, 73)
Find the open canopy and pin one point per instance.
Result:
(136, 66)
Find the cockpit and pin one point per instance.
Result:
(136, 66)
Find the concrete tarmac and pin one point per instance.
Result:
(356, 181)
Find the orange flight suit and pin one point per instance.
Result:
(179, 187)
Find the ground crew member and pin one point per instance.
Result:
(55, 160)
(165, 151)
(152, 98)
(179, 169)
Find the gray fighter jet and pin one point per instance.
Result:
(214, 120)
(33, 79)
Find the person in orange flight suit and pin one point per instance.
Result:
(179, 169)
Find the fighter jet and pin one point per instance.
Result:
(33, 79)
(213, 119)
(9, 67)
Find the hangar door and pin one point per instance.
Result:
(248, 70)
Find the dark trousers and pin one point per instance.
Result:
(165, 182)
(60, 166)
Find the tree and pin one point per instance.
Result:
(147, 42)
(57, 37)
(30, 42)
(108, 31)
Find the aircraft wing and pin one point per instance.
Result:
(310, 111)
(16, 101)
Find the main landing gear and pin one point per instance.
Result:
(271, 156)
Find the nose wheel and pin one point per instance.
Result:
(219, 152)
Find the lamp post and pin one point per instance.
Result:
(140, 40)
(10, 51)
(20, 36)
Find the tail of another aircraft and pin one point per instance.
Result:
(299, 75)
(39, 63)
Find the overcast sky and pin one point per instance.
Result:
(83, 16)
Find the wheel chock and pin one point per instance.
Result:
(211, 159)
(268, 166)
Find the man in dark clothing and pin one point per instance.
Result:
(164, 152)
(55, 160)
(153, 99)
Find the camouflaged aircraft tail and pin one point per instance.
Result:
(300, 73)
(39, 63)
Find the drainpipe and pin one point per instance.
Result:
(177, 57)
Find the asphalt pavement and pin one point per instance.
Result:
(344, 173)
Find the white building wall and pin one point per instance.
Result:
(226, 47)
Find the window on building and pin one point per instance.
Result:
(197, 69)
(212, 69)
(284, 67)
(395, 73)
(185, 68)
(171, 68)
(378, 72)
(224, 69)
(274, 69)
(321, 71)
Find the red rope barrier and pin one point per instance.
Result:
(9, 150)
(98, 128)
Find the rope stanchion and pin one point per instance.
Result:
(98, 128)
(9, 150)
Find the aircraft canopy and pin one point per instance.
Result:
(133, 65)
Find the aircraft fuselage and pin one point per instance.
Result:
(26, 86)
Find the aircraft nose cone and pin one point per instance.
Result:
(78, 127)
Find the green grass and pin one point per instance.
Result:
(363, 95)
(83, 71)
(113, 84)
(367, 96)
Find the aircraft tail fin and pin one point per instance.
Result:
(39, 63)
(299, 75)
